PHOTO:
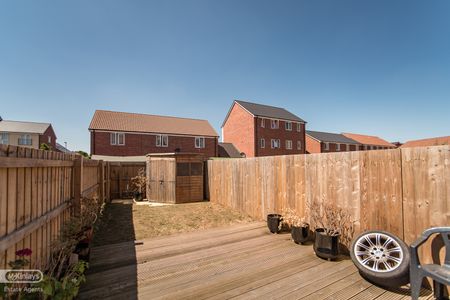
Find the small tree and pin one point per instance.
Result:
(84, 154)
(45, 146)
(139, 182)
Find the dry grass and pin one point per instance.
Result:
(124, 221)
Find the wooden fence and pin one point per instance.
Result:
(403, 191)
(39, 190)
(120, 174)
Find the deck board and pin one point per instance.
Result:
(239, 262)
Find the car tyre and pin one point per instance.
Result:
(381, 257)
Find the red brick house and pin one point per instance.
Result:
(323, 142)
(263, 130)
(370, 142)
(133, 134)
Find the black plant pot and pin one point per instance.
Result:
(326, 246)
(83, 250)
(138, 196)
(273, 222)
(300, 234)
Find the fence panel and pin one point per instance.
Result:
(35, 188)
(426, 195)
(403, 191)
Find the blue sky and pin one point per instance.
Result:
(372, 67)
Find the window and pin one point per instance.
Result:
(199, 142)
(366, 147)
(162, 140)
(299, 127)
(263, 143)
(299, 145)
(348, 147)
(275, 144)
(49, 139)
(4, 138)
(117, 138)
(263, 123)
(25, 139)
(338, 147)
(288, 126)
(288, 144)
(327, 146)
(274, 124)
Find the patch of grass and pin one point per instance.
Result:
(124, 222)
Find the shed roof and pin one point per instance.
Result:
(331, 137)
(136, 122)
(436, 141)
(368, 139)
(23, 127)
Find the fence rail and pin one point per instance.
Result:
(403, 191)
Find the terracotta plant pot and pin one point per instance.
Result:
(326, 246)
(273, 222)
(300, 234)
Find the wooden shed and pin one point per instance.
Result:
(175, 177)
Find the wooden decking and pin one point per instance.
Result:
(240, 262)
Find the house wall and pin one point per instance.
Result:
(312, 145)
(137, 144)
(13, 139)
(239, 129)
(43, 138)
(280, 133)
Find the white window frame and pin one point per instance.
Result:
(288, 126)
(275, 143)
(262, 143)
(115, 138)
(263, 123)
(299, 145)
(4, 138)
(327, 146)
(299, 127)
(162, 140)
(338, 147)
(199, 142)
(25, 140)
(49, 139)
(288, 144)
(274, 124)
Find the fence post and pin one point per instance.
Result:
(108, 181)
(101, 180)
(77, 185)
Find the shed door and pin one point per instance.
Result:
(162, 172)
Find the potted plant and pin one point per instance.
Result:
(331, 224)
(274, 222)
(138, 185)
(298, 226)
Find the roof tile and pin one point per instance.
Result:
(136, 122)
